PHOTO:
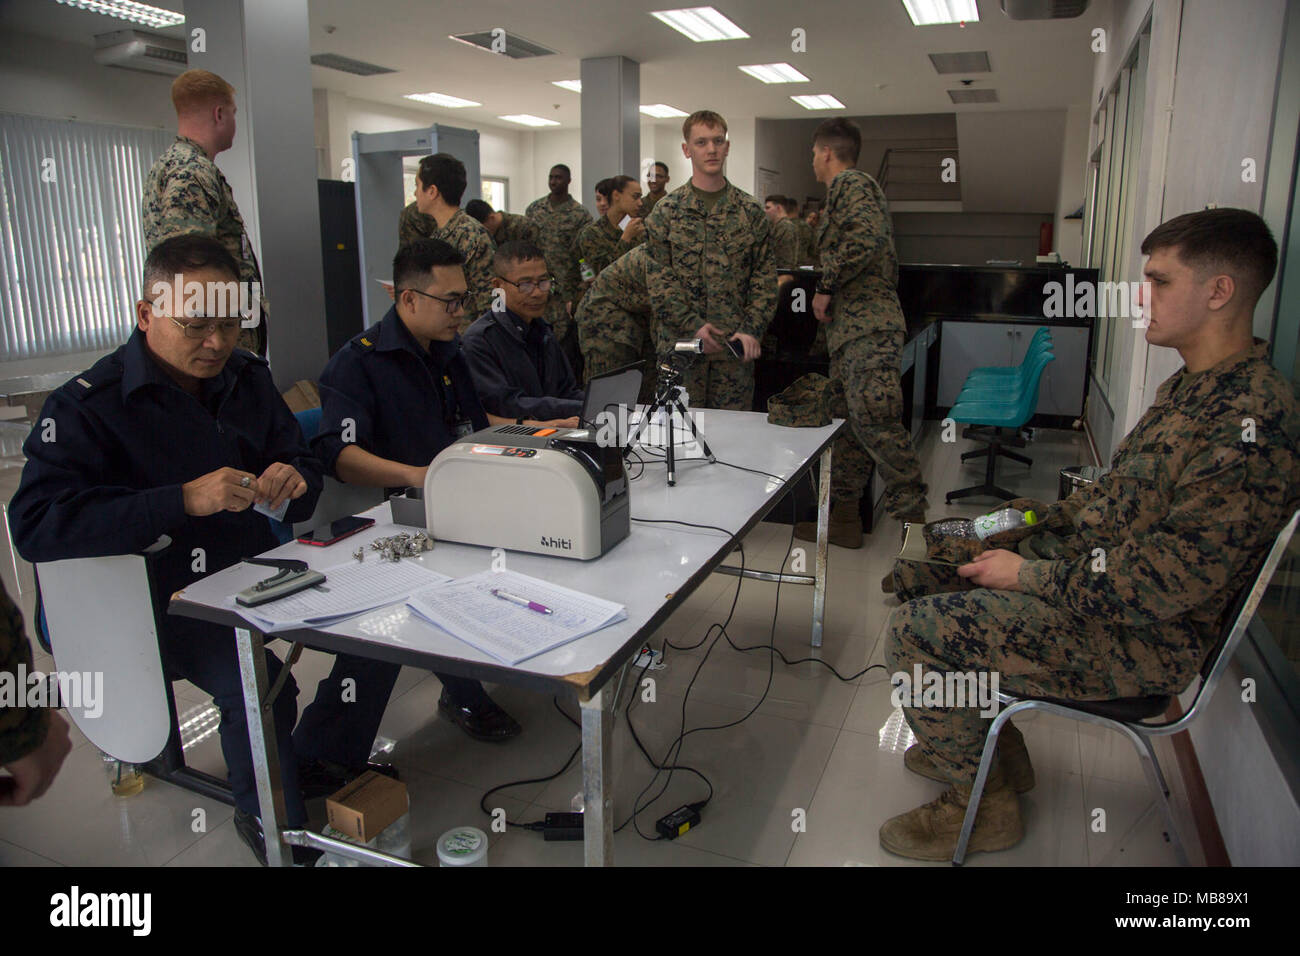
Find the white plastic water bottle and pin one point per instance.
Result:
(1004, 519)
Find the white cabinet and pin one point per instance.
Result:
(968, 345)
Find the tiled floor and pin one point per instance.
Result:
(806, 780)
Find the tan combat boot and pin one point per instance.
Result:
(1013, 756)
(930, 832)
(844, 528)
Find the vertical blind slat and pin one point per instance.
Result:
(71, 251)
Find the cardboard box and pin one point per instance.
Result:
(366, 805)
(302, 396)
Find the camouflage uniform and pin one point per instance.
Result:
(186, 194)
(1182, 519)
(468, 237)
(865, 337)
(22, 729)
(807, 243)
(616, 316)
(785, 244)
(557, 228)
(600, 243)
(720, 270)
(648, 203)
(515, 228)
(413, 224)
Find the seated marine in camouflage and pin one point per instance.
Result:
(1121, 589)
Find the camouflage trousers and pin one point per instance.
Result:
(1037, 649)
(868, 368)
(721, 382)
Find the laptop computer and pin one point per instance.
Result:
(611, 390)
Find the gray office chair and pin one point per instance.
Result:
(1128, 715)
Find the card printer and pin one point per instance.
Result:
(545, 490)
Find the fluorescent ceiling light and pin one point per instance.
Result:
(926, 13)
(140, 13)
(442, 99)
(662, 111)
(524, 119)
(701, 24)
(574, 85)
(818, 101)
(774, 73)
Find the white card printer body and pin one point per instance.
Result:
(544, 490)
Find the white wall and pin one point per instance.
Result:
(1011, 160)
(48, 78)
(503, 151)
(1067, 234)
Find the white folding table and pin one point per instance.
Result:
(651, 572)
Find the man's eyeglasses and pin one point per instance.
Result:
(202, 327)
(529, 286)
(453, 303)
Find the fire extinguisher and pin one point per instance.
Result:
(1045, 239)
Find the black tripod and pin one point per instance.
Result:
(668, 397)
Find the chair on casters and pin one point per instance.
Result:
(99, 616)
(1129, 715)
(987, 417)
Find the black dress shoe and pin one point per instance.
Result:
(249, 829)
(483, 720)
(321, 778)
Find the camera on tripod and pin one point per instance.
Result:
(668, 398)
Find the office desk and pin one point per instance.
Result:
(651, 572)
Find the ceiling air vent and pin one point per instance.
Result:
(346, 64)
(977, 61)
(516, 47)
(1043, 9)
(973, 96)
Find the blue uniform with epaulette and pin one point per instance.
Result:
(395, 399)
(401, 402)
(105, 465)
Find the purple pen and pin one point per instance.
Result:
(521, 601)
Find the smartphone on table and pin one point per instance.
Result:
(336, 531)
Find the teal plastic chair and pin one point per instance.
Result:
(986, 421)
(991, 374)
(1008, 388)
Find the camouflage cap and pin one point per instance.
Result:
(806, 403)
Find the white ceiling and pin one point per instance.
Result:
(867, 53)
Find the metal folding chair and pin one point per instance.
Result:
(1128, 715)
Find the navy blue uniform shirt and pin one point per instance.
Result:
(126, 437)
(519, 369)
(404, 401)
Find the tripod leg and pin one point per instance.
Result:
(696, 433)
(672, 459)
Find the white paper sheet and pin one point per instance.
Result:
(349, 589)
(467, 609)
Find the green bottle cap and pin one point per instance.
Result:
(1030, 517)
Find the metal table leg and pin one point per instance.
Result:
(261, 740)
(597, 795)
(823, 520)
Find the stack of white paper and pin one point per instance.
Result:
(467, 609)
(348, 590)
